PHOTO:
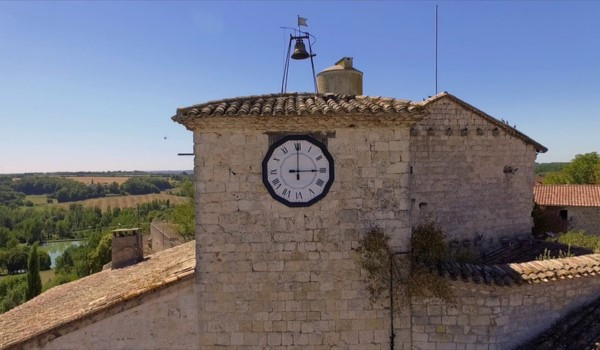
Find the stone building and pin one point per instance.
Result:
(286, 186)
(577, 205)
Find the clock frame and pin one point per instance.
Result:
(325, 186)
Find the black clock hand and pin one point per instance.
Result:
(297, 165)
(303, 171)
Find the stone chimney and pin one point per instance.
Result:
(127, 247)
(341, 78)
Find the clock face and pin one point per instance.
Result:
(298, 171)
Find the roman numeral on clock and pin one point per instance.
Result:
(298, 195)
(284, 150)
(319, 158)
(286, 192)
(273, 172)
(320, 182)
(297, 146)
(322, 170)
(275, 182)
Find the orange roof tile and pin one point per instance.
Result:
(61, 305)
(567, 195)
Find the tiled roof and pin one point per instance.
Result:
(296, 104)
(567, 195)
(317, 104)
(523, 273)
(64, 304)
(523, 250)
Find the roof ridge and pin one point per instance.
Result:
(511, 130)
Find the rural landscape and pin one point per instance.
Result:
(258, 175)
(66, 219)
(69, 217)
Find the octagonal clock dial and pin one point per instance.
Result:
(298, 170)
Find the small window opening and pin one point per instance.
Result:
(564, 214)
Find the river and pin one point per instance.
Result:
(55, 249)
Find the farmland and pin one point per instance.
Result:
(130, 201)
(98, 179)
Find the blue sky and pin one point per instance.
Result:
(92, 85)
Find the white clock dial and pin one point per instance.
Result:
(298, 170)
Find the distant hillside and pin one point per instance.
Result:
(543, 168)
(107, 173)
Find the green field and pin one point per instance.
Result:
(37, 199)
(44, 275)
(113, 201)
(129, 201)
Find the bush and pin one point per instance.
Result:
(415, 279)
(580, 239)
(45, 260)
(59, 279)
(12, 292)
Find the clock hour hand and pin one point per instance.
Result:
(303, 171)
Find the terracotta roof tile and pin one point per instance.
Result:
(317, 104)
(509, 274)
(524, 250)
(567, 195)
(69, 302)
(293, 104)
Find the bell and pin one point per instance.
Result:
(300, 50)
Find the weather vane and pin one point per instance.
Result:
(300, 52)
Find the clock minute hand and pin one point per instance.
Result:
(297, 164)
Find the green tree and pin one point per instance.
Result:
(17, 259)
(103, 253)
(183, 217)
(583, 169)
(555, 178)
(45, 260)
(187, 188)
(12, 292)
(34, 282)
(4, 236)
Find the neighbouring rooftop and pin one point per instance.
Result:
(77, 300)
(567, 195)
(535, 271)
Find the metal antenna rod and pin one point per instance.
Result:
(286, 67)
(312, 64)
(436, 49)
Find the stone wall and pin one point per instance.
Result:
(584, 218)
(164, 236)
(469, 176)
(492, 317)
(270, 276)
(165, 320)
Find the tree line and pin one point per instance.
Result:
(13, 191)
(583, 169)
(21, 227)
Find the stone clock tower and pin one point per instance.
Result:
(286, 185)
